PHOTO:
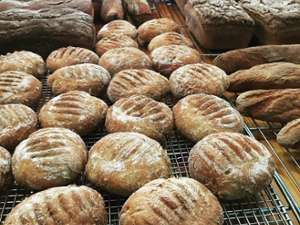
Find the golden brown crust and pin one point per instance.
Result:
(119, 27)
(199, 115)
(86, 77)
(17, 121)
(140, 114)
(70, 56)
(289, 135)
(143, 81)
(134, 158)
(70, 205)
(172, 201)
(75, 110)
(231, 165)
(6, 176)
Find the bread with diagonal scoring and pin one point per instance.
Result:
(199, 115)
(136, 160)
(6, 176)
(24, 61)
(86, 77)
(231, 165)
(75, 110)
(137, 81)
(277, 105)
(68, 56)
(172, 201)
(289, 135)
(17, 121)
(119, 27)
(72, 205)
(141, 114)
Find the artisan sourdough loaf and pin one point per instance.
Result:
(289, 135)
(135, 159)
(6, 177)
(231, 165)
(119, 27)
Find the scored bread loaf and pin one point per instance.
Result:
(19, 87)
(17, 121)
(49, 157)
(198, 78)
(70, 205)
(143, 81)
(124, 58)
(111, 10)
(23, 61)
(231, 165)
(86, 77)
(177, 201)
(277, 105)
(119, 27)
(168, 58)
(199, 115)
(75, 110)
(289, 135)
(141, 114)
(68, 56)
(6, 177)
(136, 160)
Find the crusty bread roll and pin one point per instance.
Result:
(168, 58)
(177, 201)
(143, 81)
(70, 205)
(289, 135)
(17, 121)
(86, 77)
(169, 38)
(136, 158)
(199, 115)
(6, 177)
(120, 27)
(119, 59)
(49, 157)
(23, 61)
(70, 56)
(231, 165)
(150, 29)
(19, 87)
(75, 110)
(198, 78)
(141, 114)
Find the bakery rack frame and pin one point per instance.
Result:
(273, 206)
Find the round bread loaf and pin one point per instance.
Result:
(86, 77)
(198, 78)
(70, 205)
(114, 41)
(172, 201)
(289, 135)
(169, 38)
(24, 61)
(49, 157)
(119, 59)
(168, 58)
(119, 27)
(233, 166)
(152, 28)
(137, 81)
(141, 114)
(122, 162)
(6, 177)
(17, 121)
(70, 56)
(75, 110)
(199, 115)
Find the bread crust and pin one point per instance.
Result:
(289, 135)
(111, 10)
(6, 177)
(119, 27)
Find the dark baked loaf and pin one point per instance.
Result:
(6, 176)
(281, 105)
(239, 59)
(136, 158)
(139, 10)
(219, 24)
(17, 121)
(111, 10)
(19, 87)
(119, 27)
(231, 165)
(199, 115)
(177, 201)
(143, 81)
(23, 61)
(67, 205)
(289, 135)
(49, 157)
